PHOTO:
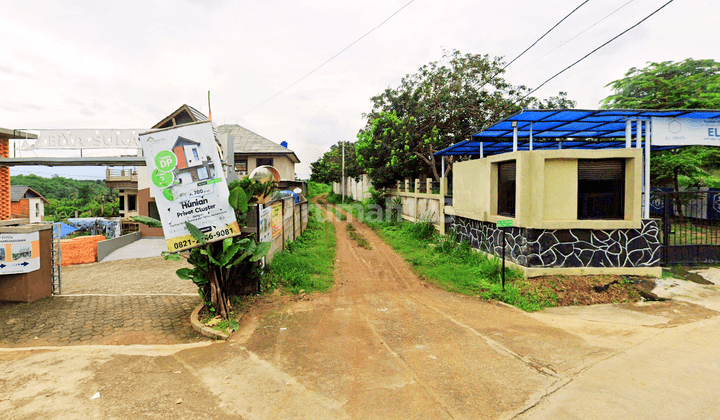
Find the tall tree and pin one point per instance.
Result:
(328, 168)
(688, 84)
(445, 102)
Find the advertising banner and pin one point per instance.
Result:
(685, 132)
(19, 252)
(265, 224)
(277, 219)
(187, 181)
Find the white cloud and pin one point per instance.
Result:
(128, 64)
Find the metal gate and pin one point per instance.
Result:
(690, 225)
(56, 258)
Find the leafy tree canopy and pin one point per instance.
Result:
(328, 168)
(65, 195)
(689, 84)
(445, 102)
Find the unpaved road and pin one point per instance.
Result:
(385, 345)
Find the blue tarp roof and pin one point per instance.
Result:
(66, 229)
(571, 124)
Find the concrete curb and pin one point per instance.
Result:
(203, 329)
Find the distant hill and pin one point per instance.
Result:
(66, 195)
(59, 187)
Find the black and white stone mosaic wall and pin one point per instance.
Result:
(566, 247)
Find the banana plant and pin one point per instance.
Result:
(224, 268)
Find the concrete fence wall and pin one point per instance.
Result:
(422, 201)
(357, 190)
(295, 220)
(104, 248)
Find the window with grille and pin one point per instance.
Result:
(506, 188)
(264, 162)
(601, 189)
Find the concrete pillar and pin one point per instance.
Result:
(4, 181)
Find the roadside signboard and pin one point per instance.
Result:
(19, 252)
(188, 184)
(685, 132)
(277, 219)
(266, 234)
(505, 223)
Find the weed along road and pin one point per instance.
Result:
(383, 344)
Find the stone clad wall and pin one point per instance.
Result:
(546, 248)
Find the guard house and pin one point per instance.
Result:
(574, 193)
(26, 203)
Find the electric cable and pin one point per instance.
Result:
(543, 36)
(569, 40)
(596, 49)
(328, 60)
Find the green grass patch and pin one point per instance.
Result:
(308, 262)
(333, 198)
(458, 268)
(358, 237)
(338, 213)
(316, 188)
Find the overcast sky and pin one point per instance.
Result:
(96, 64)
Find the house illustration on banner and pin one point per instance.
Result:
(192, 164)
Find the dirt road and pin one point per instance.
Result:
(381, 345)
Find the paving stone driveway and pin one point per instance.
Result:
(132, 301)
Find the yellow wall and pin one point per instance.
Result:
(546, 188)
(283, 164)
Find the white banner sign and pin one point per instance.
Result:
(265, 223)
(685, 132)
(188, 184)
(19, 252)
(84, 139)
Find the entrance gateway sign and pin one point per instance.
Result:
(188, 184)
(84, 139)
(685, 132)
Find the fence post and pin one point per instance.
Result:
(294, 234)
(407, 185)
(282, 217)
(428, 186)
(417, 186)
(441, 205)
(666, 228)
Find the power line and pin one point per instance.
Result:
(577, 35)
(596, 49)
(543, 36)
(533, 44)
(329, 60)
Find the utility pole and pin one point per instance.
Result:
(342, 182)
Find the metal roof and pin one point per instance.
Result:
(248, 142)
(18, 192)
(571, 124)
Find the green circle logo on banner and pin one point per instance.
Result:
(162, 179)
(165, 161)
(168, 194)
